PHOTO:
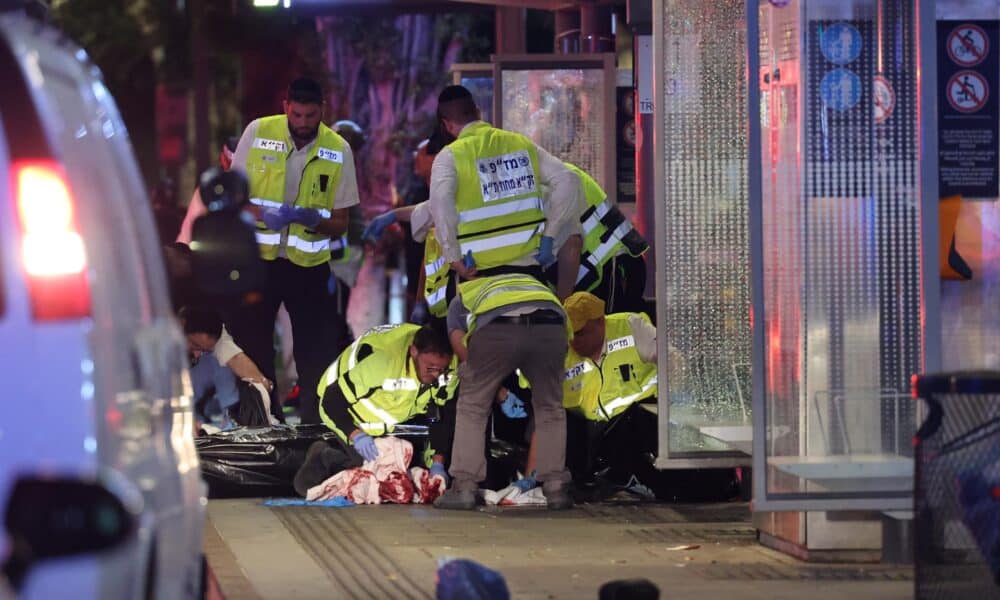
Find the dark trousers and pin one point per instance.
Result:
(496, 350)
(620, 443)
(303, 291)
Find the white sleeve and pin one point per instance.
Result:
(347, 188)
(444, 183)
(225, 349)
(421, 221)
(644, 334)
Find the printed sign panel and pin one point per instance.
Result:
(967, 108)
(506, 176)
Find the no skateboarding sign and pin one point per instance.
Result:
(968, 45)
(968, 109)
(968, 91)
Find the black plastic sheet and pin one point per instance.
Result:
(262, 461)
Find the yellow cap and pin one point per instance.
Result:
(582, 307)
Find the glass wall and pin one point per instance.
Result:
(566, 105)
(703, 288)
(842, 302)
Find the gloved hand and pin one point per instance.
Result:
(438, 469)
(365, 445)
(373, 232)
(468, 261)
(513, 407)
(277, 219)
(331, 284)
(419, 314)
(545, 256)
(309, 217)
(526, 482)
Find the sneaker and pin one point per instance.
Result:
(558, 499)
(456, 500)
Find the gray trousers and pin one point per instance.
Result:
(495, 351)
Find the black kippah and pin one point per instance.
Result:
(453, 92)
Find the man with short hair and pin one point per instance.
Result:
(302, 183)
(486, 197)
(216, 361)
(391, 375)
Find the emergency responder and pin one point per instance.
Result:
(610, 368)
(486, 196)
(391, 375)
(513, 321)
(216, 363)
(302, 183)
(611, 265)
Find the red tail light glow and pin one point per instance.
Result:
(52, 250)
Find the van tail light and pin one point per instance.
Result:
(52, 252)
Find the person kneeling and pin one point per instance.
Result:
(391, 375)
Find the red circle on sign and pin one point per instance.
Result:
(964, 49)
(884, 99)
(967, 91)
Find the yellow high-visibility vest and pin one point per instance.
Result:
(266, 162)
(606, 233)
(379, 381)
(601, 392)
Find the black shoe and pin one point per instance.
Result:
(456, 500)
(322, 461)
(558, 499)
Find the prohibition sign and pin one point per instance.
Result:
(884, 99)
(968, 45)
(968, 91)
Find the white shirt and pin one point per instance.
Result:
(225, 349)
(560, 205)
(345, 196)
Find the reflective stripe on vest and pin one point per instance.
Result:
(606, 233)
(611, 408)
(507, 240)
(430, 269)
(268, 239)
(484, 294)
(490, 212)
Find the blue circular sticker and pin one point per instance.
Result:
(840, 43)
(840, 89)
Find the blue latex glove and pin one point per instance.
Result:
(309, 217)
(513, 407)
(438, 469)
(373, 232)
(277, 219)
(365, 445)
(545, 256)
(526, 482)
(419, 314)
(468, 261)
(331, 284)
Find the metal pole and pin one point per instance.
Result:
(930, 280)
(756, 224)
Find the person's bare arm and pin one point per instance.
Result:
(244, 368)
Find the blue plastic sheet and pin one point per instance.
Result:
(335, 502)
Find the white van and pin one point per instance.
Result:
(92, 363)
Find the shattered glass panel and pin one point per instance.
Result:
(840, 141)
(562, 110)
(703, 240)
